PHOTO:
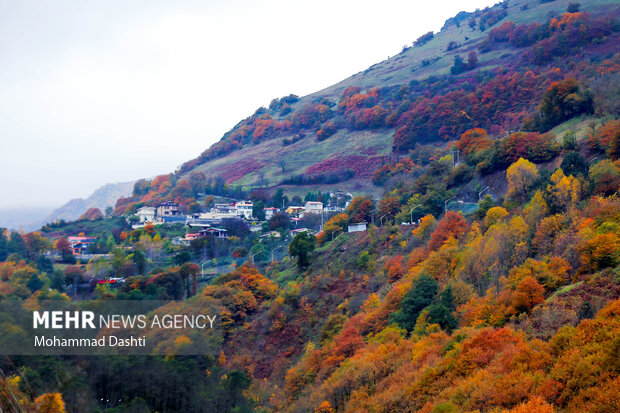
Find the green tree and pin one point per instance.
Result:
(45, 265)
(258, 210)
(34, 283)
(441, 311)
(117, 261)
(110, 244)
(569, 141)
(182, 257)
(301, 247)
(279, 199)
(419, 297)
(139, 260)
(484, 205)
(57, 280)
(16, 244)
(257, 252)
(459, 65)
(4, 248)
(574, 164)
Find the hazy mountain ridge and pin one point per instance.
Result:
(101, 198)
(26, 219)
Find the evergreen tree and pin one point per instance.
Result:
(4, 248)
(16, 244)
(34, 283)
(45, 265)
(301, 247)
(417, 299)
(258, 210)
(574, 164)
(441, 311)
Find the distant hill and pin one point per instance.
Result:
(27, 219)
(102, 198)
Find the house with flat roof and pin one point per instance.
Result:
(146, 214)
(244, 209)
(167, 209)
(313, 207)
(220, 211)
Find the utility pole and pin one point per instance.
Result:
(273, 251)
(202, 269)
(480, 193)
(411, 214)
(381, 219)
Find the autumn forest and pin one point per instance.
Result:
(486, 277)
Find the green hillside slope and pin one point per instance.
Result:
(462, 77)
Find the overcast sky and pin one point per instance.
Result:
(93, 92)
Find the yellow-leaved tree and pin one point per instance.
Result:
(564, 191)
(50, 403)
(520, 175)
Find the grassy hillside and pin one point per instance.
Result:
(408, 65)
(416, 103)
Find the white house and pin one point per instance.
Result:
(244, 209)
(313, 207)
(359, 227)
(146, 214)
(220, 211)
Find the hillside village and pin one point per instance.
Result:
(168, 212)
(208, 224)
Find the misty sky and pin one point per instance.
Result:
(93, 92)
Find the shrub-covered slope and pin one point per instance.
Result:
(495, 69)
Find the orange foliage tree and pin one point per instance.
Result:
(395, 268)
(334, 226)
(474, 140)
(527, 295)
(451, 225)
(50, 403)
